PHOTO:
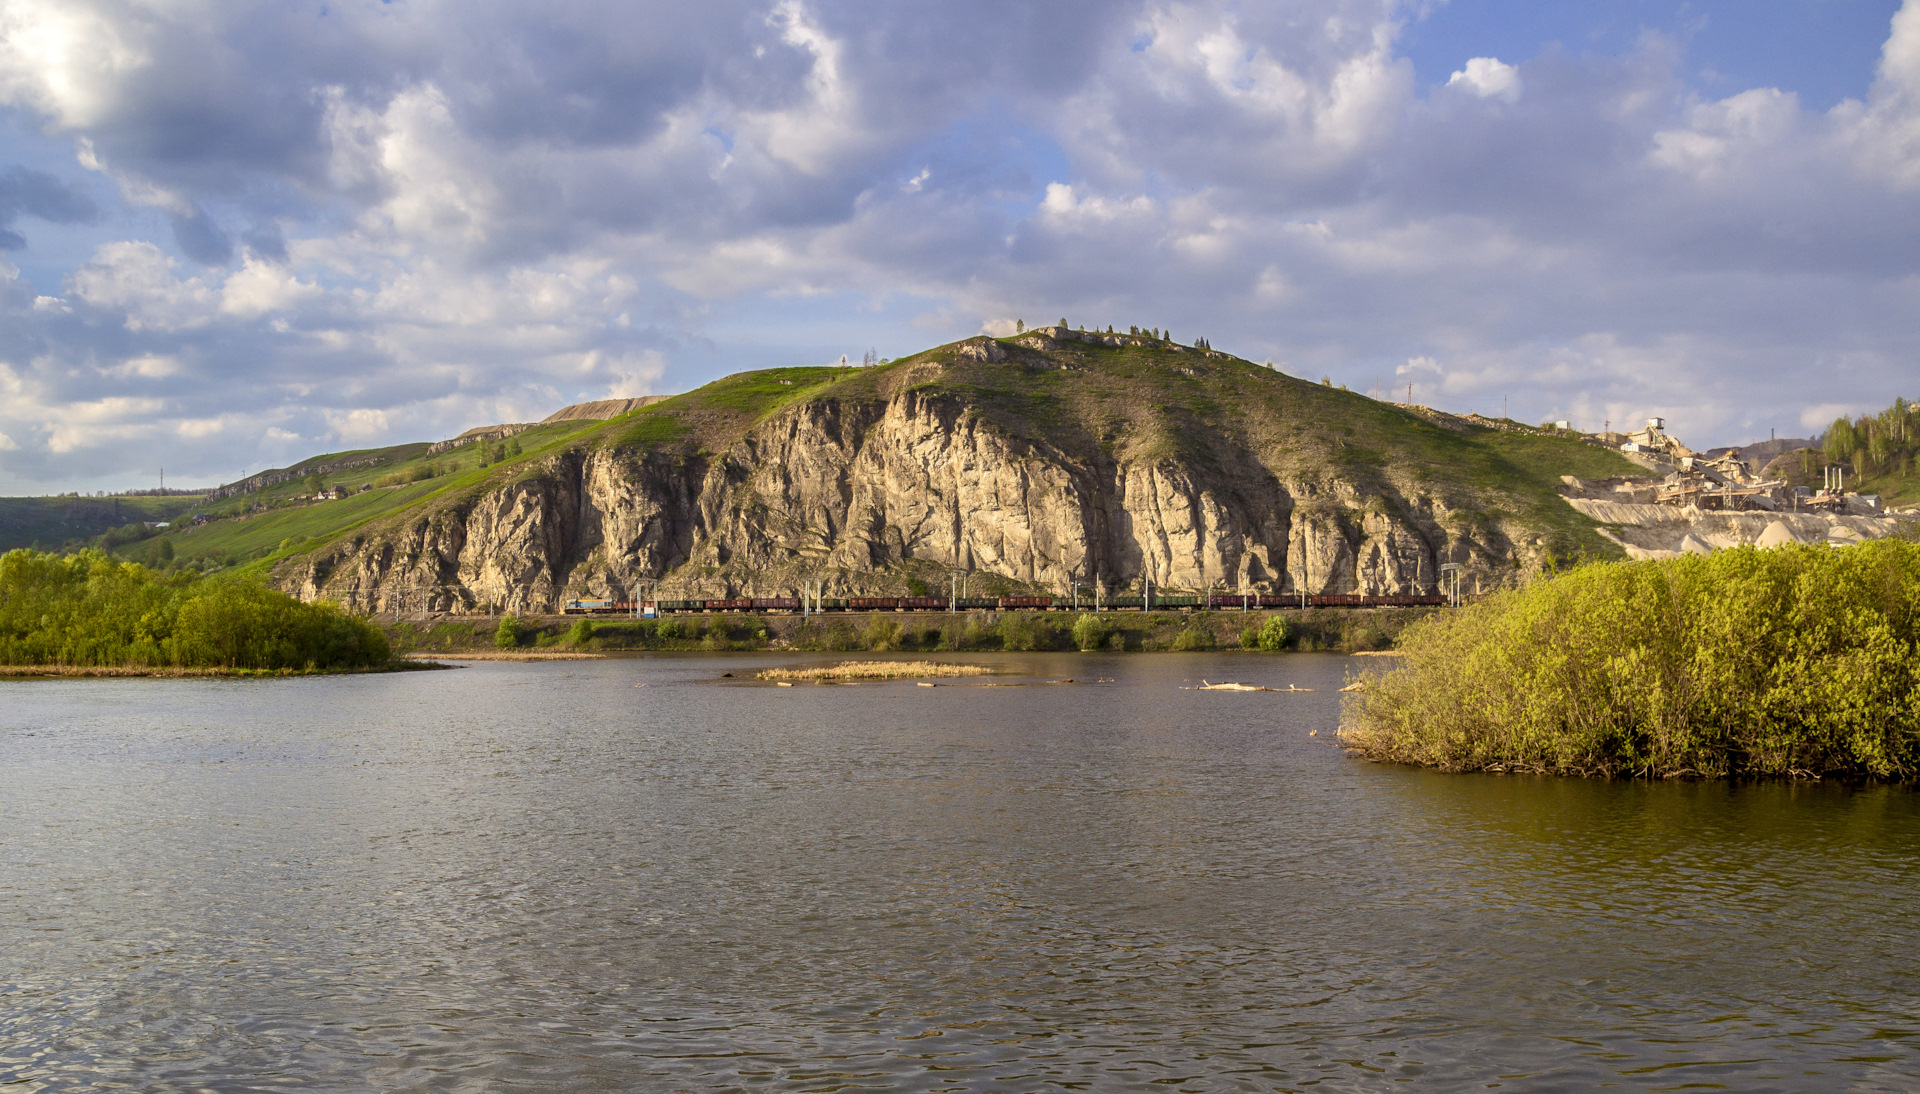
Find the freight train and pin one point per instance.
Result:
(1156, 602)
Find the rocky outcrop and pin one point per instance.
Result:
(476, 435)
(600, 410)
(862, 494)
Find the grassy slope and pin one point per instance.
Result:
(1895, 487)
(255, 540)
(1105, 404)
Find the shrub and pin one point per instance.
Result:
(581, 632)
(88, 609)
(1194, 637)
(1089, 632)
(507, 635)
(882, 634)
(1026, 632)
(1274, 634)
(1250, 637)
(1743, 662)
(978, 635)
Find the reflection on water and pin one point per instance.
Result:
(544, 876)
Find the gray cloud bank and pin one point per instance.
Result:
(356, 223)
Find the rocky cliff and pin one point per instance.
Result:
(1053, 459)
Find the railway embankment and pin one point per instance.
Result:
(1313, 629)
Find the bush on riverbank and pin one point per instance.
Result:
(90, 610)
(1745, 662)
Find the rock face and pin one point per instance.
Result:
(911, 481)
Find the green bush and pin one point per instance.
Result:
(1089, 632)
(1250, 637)
(1194, 637)
(1023, 631)
(1744, 662)
(91, 610)
(1274, 634)
(670, 629)
(581, 633)
(882, 634)
(507, 636)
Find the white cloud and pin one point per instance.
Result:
(259, 287)
(137, 279)
(446, 217)
(1489, 78)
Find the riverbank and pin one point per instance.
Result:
(502, 655)
(1332, 630)
(176, 672)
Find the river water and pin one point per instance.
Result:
(635, 874)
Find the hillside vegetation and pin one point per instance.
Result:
(1799, 661)
(251, 531)
(90, 611)
(1880, 453)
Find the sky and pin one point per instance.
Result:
(234, 234)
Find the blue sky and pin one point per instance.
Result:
(1822, 50)
(242, 234)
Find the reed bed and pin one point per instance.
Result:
(876, 670)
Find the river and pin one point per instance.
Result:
(636, 874)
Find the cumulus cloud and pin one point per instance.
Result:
(392, 222)
(1488, 78)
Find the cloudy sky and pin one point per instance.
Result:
(235, 233)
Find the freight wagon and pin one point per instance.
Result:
(1158, 602)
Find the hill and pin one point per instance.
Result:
(49, 522)
(1054, 458)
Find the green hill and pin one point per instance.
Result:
(1039, 461)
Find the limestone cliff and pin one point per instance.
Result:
(1040, 462)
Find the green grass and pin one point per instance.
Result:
(257, 529)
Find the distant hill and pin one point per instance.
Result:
(1053, 458)
(1761, 453)
(49, 523)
